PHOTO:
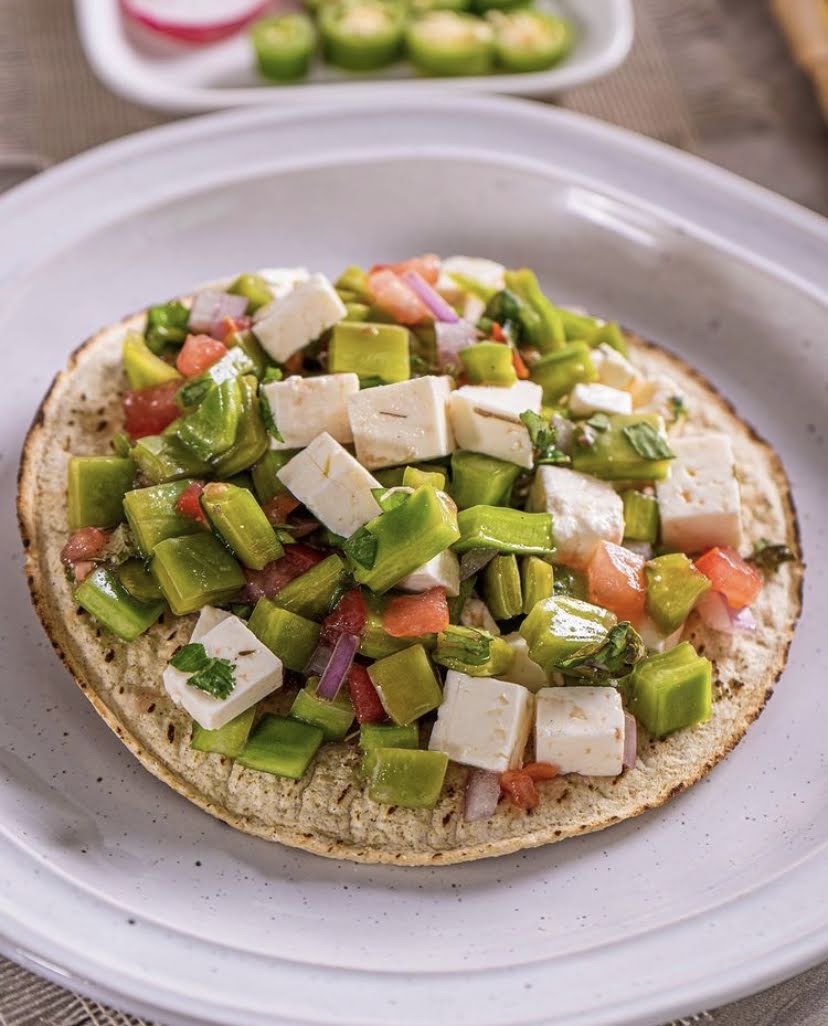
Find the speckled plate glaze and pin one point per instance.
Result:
(114, 885)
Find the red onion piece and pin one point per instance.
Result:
(482, 795)
(204, 21)
(718, 615)
(473, 561)
(210, 308)
(630, 740)
(319, 660)
(334, 674)
(451, 338)
(431, 297)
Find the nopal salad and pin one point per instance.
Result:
(445, 514)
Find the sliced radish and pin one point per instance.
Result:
(194, 21)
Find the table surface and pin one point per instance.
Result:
(709, 76)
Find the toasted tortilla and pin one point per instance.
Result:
(328, 812)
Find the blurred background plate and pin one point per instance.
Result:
(116, 886)
(153, 71)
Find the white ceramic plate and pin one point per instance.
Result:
(113, 884)
(150, 70)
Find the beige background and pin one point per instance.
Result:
(710, 77)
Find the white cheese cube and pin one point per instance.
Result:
(523, 670)
(483, 722)
(333, 485)
(208, 618)
(441, 571)
(475, 613)
(402, 423)
(486, 419)
(614, 369)
(580, 730)
(585, 511)
(280, 280)
(699, 502)
(587, 399)
(659, 395)
(486, 272)
(258, 672)
(299, 317)
(305, 407)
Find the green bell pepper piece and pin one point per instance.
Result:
(406, 684)
(501, 584)
(416, 477)
(247, 343)
(560, 371)
(252, 440)
(166, 325)
(472, 651)
(478, 480)
(374, 735)
(537, 579)
(557, 627)
(671, 690)
(97, 486)
(291, 637)
(143, 368)
(228, 740)
(641, 519)
(103, 595)
(411, 779)
(450, 43)
(284, 45)
(265, 472)
(281, 746)
(354, 280)
(195, 571)
(396, 543)
(333, 718)
(530, 41)
(241, 523)
(166, 458)
(211, 429)
(254, 289)
(138, 581)
(613, 456)
(609, 334)
(313, 593)
(504, 529)
(362, 35)
(489, 363)
(524, 283)
(152, 515)
(674, 586)
(376, 352)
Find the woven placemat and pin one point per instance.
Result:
(707, 76)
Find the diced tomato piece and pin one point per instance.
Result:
(519, 788)
(270, 580)
(364, 697)
(395, 297)
(147, 411)
(521, 369)
(615, 580)
(189, 502)
(84, 544)
(347, 617)
(280, 507)
(427, 266)
(198, 353)
(293, 364)
(738, 581)
(230, 325)
(540, 770)
(409, 616)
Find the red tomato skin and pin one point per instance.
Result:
(541, 770)
(427, 266)
(615, 580)
(409, 616)
(347, 617)
(519, 788)
(270, 580)
(279, 508)
(230, 325)
(83, 545)
(364, 698)
(189, 502)
(198, 353)
(395, 297)
(737, 580)
(147, 411)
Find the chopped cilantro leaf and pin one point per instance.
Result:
(768, 556)
(647, 442)
(191, 658)
(543, 438)
(613, 657)
(361, 547)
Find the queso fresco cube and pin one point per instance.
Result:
(305, 407)
(486, 419)
(580, 730)
(402, 423)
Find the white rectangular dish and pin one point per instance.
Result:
(185, 79)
